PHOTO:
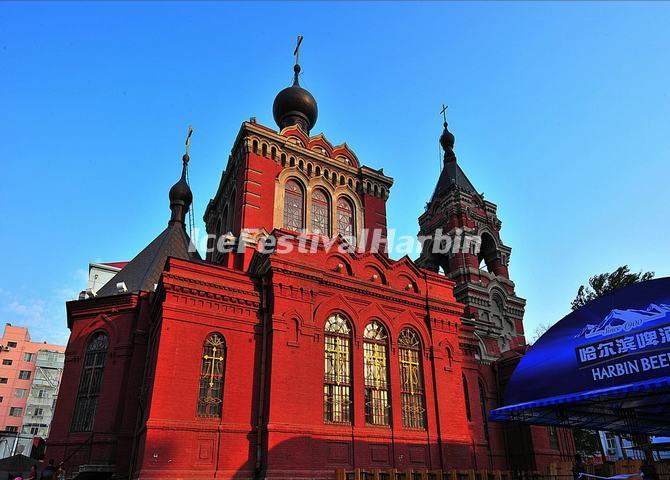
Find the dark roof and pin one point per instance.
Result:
(144, 271)
(452, 175)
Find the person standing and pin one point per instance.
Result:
(49, 472)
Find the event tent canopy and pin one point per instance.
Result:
(605, 366)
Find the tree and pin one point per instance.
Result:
(587, 442)
(606, 282)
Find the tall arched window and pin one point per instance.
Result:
(90, 383)
(293, 206)
(466, 396)
(411, 380)
(320, 213)
(485, 414)
(337, 370)
(375, 364)
(210, 396)
(345, 217)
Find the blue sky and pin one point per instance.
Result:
(560, 112)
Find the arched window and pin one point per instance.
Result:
(377, 408)
(90, 383)
(293, 206)
(345, 217)
(210, 397)
(411, 380)
(320, 213)
(466, 396)
(485, 415)
(337, 370)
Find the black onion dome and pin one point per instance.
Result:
(295, 106)
(180, 196)
(447, 139)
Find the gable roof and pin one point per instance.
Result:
(144, 271)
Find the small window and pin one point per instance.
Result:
(6, 361)
(15, 411)
(293, 206)
(41, 394)
(20, 393)
(28, 357)
(11, 344)
(34, 430)
(39, 412)
(11, 428)
(24, 375)
(3, 379)
(1, 399)
(345, 218)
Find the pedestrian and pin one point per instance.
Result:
(578, 468)
(49, 472)
(33, 473)
(60, 474)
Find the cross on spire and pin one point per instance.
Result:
(296, 52)
(444, 112)
(188, 138)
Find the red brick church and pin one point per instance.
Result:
(295, 362)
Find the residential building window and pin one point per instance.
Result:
(15, 411)
(90, 383)
(24, 375)
(28, 357)
(34, 430)
(11, 428)
(375, 365)
(293, 206)
(337, 370)
(411, 380)
(466, 397)
(20, 393)
(320, 213)
(6, 361)
(41, 393)
(1, 399)
(210, 400)
(38, 412)
(11, 344)
(345, 217)
(3, 379)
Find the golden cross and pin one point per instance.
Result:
(213, 358)
(296, 52)
(188, 138)
(444, 112)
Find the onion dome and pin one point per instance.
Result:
(447, 140)
(295, 106)
(180, 196)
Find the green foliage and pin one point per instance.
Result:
(587, 442)
(606, 282)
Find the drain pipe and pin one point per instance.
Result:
(265, 285)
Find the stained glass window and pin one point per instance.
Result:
(293, 206)
(345, 217)
(210, 398)
(320, 213)
(375, 364)
(411, 380)
(337, 371)
(90, 383)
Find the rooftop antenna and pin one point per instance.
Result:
(191, 213)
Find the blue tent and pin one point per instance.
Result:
(605, 366)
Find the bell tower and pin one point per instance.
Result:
(480, 270)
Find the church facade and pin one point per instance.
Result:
(294, 361)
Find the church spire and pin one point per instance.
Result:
(180, 193)
(447, 139)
